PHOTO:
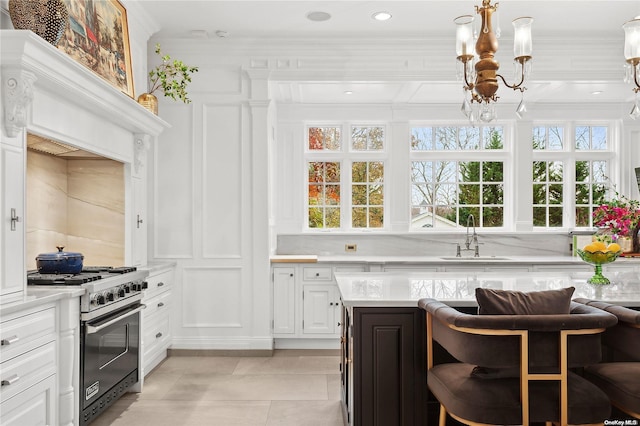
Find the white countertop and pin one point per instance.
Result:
(386, 289)
(36, 296)
(436, 260)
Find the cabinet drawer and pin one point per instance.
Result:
(36, 405)
(158, 283)
(317, 274)
(156, 335)
(160, 303)
(19, 373)
(24, 333)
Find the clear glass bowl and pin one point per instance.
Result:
(598, 258)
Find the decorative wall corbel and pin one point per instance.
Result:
(142, 143)
(17, 86)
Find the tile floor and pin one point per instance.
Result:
(291, 388)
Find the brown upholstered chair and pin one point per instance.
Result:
(514, 369)
(619, 380)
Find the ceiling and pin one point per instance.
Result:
(411, 20)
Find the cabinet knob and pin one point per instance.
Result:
(160, 284)
(160, 305)
(291, 275)
(159, 335)
(339, 324)
(317, 274)
(331, 304)
(138, 221)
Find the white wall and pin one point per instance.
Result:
(210, 202)
(226, 176)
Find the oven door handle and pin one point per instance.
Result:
(90, 329)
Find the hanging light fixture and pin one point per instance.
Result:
(480, 74)
(632, 56)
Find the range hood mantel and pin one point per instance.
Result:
(30, 64)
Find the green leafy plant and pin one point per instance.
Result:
(172, 76)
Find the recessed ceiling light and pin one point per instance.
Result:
(222, 34)
(381, 16)
(596, 92)
(318, 16)
(348, 92)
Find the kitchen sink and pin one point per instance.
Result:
(481, 258)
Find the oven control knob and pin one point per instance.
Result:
(121, 292)
(136, 287)
(100, 299)
(127, 288)
(110, 296)
(145, 285)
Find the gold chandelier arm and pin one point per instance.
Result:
(635, 64)
(514, 86)
(522, 60)
(464, 59)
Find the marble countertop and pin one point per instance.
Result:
(390, 289)
(36, 296)
(436, 260)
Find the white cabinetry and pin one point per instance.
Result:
(28, 365)
(284, 285)
(156, 330)
(12, 265)
(306, 305)
(139, 231)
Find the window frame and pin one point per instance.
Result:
(504, 155)
(346, 156)
(569, 155)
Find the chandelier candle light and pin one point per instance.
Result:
(632, 56)
(481, 78)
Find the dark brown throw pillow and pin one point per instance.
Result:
(510, 302)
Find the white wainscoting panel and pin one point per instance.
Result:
(222, 183)
(173, 178)
(213, 297)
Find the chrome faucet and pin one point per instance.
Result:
(472, 238)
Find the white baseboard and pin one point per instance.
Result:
(307, 343)
(222, 343)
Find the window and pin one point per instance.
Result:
(367, 194)
(457, 172)
(345, 185)
(324, 194)
(563, 172)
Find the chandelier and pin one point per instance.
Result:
(632, 56)
(479, 74)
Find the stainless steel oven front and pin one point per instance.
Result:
(110, 347)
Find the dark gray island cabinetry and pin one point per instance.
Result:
(383, 337)
(388, 370)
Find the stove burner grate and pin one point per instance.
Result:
(62, 279)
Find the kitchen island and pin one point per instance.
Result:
(383, 343)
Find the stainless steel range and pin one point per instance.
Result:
(110, 332)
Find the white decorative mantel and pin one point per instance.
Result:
(17, 86)
(30, 65)
(45, 92)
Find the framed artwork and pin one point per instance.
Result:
(98, 37)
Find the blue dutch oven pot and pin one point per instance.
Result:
(60, 262)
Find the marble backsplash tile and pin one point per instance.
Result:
(78, 204)
(436, 244)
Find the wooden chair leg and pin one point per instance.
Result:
(443, 416)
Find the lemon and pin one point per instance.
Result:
(599, 245)
(590, 248)
(613, 247)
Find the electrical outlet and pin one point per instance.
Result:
(350, 247)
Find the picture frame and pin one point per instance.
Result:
(98, 37)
